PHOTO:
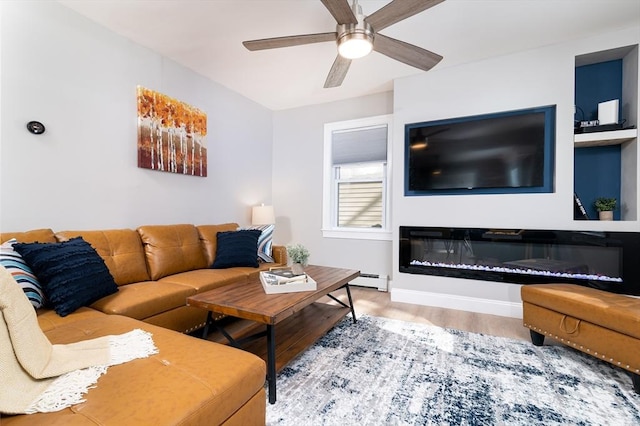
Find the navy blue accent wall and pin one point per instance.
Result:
(597, 169)
(597, 174)
(597, 83)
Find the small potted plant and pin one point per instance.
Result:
(299, 256)
(605, 207)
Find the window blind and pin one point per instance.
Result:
(359, 145)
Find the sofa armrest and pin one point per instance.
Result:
(279, 254)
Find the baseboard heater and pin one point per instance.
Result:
(371, 280)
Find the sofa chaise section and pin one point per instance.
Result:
(188, 382)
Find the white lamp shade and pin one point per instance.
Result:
(263, 215)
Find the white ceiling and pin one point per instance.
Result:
(207, 35)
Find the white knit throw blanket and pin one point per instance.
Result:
(40, 377)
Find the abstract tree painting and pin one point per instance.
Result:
(171, 135)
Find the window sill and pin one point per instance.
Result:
(358, 234)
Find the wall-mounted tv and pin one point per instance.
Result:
(505, 152)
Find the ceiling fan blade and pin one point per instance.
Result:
(405, 52)
(398, 10)
(276, 42)
(338, 72)
(341, 11)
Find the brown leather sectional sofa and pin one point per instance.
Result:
(190, 381)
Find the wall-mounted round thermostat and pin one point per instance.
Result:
(35, 127)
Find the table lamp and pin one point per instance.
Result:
(263, 215)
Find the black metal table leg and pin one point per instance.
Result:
(353, 311)
(271, 362)
(205, 331)
(350, 305)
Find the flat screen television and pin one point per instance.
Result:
(505, 152)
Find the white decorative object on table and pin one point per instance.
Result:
(273, 282)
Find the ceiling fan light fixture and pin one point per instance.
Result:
(356, 33)
(355, 45)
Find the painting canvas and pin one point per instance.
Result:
(171, 135)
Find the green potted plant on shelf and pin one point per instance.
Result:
(299, 256)
(605, 207)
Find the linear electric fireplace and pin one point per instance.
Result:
(605, 260)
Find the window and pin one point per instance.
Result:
(356, 167)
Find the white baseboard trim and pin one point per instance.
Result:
(371, 280)
(462, 303)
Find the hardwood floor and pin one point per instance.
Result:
(372, 302)
(378, 303)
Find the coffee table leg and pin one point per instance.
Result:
(353, 311)
(271, 362)
(205, 331)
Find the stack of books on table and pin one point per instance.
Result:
(283, 280)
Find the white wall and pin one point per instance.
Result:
(537, 77)
(80, 80)
(532, 78)
(297, 183)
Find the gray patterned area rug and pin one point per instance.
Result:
(388, 372)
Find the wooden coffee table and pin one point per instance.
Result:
(300, 316)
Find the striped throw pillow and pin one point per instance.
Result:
(22, 273)
(265, 242)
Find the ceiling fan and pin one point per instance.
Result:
(356, 35)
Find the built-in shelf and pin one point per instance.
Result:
(616, 137)
(607, 163)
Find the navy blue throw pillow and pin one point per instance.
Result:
(72, 273)
(237, 248)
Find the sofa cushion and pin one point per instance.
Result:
(170, 249)
(71, 272)
(209, 238)
(237, 248)
(207, 279)
(44, 235)
(22, 273)
(121, 250)
(145, 299)
(48, 319)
